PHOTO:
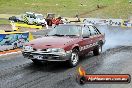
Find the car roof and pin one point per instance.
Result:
(29, 12)
(38, 14)
(76, 24)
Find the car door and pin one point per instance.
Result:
(93, 36)
(86, 40)
(31, 18)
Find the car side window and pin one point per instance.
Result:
(31, 16)
(98, 32)
(86, 32)
(93, 30)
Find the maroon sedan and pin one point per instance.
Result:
(66, 42)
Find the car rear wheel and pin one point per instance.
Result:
(34, 23)
(97, 50)
(74, 59)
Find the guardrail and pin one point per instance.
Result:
(27, 26)
(111, 22)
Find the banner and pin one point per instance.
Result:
(13, 40)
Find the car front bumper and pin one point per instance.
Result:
(47, 56)
(43, 24)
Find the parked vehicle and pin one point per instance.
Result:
(34, 18)
(52, 20)
(30, 18)
(15, 19)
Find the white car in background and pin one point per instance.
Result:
(34, 18)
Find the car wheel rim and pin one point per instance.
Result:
(74, 58)
(100, 49)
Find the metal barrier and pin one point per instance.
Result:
(111, 22)
(28, 26)
(15, 25)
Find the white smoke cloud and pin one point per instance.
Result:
(116, 36)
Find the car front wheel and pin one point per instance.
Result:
(74, 59)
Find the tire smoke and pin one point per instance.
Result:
(116, 36)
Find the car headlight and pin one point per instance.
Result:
(27, 48)
(56, 50)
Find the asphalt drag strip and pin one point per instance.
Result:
(58, 75)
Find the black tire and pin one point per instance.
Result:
(44, 25)
(28, 23)
(97, 50)
(49, 22)
(34, 23)
(74, 59)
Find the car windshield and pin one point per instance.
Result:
(65, 30)
(39, 16)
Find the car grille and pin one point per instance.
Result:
(40, 49)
